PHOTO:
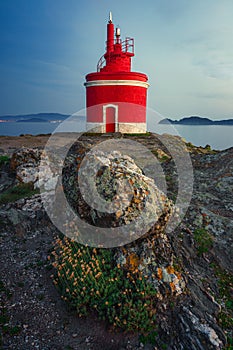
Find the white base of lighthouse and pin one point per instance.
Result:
(124, 128)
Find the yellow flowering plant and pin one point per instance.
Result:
(89, 279)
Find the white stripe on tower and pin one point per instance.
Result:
(117, 82)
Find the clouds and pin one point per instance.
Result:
(214, 67)
(212, 53)
(185, 47)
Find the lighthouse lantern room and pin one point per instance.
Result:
(115, 96)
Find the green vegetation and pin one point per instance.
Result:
(225, 284)
(203, 240)
(88, 279)
(149, 338)
(201, 150)
(92, 134)
(208, 147)
(4, 160)
(161, 158)
(23, 190)
(229, 345)
(225, 317)
(189, 144)
(138, 134)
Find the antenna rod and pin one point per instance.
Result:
(110, 34)
(110, 17)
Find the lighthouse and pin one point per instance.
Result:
(115, 96)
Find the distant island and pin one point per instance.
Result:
(58, 117)
(195, 120)
(32, 120)
(38, 117)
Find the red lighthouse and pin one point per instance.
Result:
(115, 96)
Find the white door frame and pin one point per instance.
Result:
(104, 116)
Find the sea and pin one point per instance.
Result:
(219, 137)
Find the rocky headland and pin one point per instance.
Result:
(189, 266)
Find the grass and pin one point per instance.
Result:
(24, 190)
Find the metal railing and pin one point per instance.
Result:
(127, 47)
(101, 63)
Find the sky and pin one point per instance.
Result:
(185, 47)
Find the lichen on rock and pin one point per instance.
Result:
(115, 180)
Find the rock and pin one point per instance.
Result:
(120, 188)
(32, 166)
(14, 216)
(7, 177)
(129, 196)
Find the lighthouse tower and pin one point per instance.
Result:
(115, 96)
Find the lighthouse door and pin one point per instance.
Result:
(110, 118)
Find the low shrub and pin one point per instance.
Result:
(88, 279)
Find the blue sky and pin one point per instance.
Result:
(185, 47)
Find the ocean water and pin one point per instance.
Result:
(217, 136)
(16, 129)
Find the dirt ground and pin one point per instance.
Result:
(9, 143)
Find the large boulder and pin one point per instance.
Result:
(110, 190)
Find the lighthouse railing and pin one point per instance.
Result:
(101, 63)
(127, 46)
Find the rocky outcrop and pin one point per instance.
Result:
(123, 195)
(29, 167)
(190, 299)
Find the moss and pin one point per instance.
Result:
(4, 160)
(203, 240)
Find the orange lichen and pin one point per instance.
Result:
(132, 261)
(118, 214)
(173, 287)
(131, 181)
(178, 275)
(137, 201)
(159, 273)
(170, 269)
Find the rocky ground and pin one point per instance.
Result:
(198, 317)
